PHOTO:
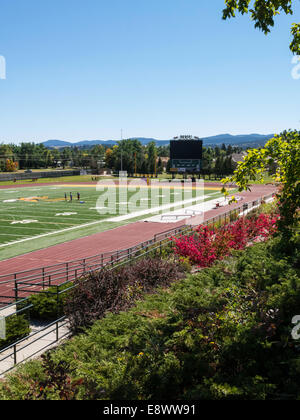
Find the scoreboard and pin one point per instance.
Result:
(186, 154)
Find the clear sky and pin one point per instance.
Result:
(81, 70)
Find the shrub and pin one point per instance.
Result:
(56, 384)
(224, 333)
(49, 304)
(100, 292)
(151, 273)
(17, 327)
(209, 244)
(116, 290)
(264, 208)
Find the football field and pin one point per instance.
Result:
(40, 216)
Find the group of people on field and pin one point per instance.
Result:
(71, 197)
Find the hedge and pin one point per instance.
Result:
(49, 304)
(17, 327)
(223, 333)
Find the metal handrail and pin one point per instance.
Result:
(24, 340)
(82, 260)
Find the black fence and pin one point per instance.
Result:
(19, 176)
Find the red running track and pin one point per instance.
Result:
(112, 240)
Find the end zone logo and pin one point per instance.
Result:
(37, 199)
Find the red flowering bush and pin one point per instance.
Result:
(265, 225)
(208, 244)
(199, 248)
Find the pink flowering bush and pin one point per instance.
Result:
(208, 244)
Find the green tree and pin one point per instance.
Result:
(160, 167)
(131, 153)
(109, 158)
(229, 150)
(217, 151)
(152, 156)
(263, 13)
(228, 166)
(219, 166)
(97, 156)
(284, 150)
(5, 153)
(168, 168)
(163, 151)
(66, 156)
(76, 156)
(55, 157)
(282, 153)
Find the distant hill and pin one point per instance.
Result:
(247, 140)
(91, 143)
(61, 143)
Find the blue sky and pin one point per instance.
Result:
(156, 68)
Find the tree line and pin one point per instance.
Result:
(128, 155)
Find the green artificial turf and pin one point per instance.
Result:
(47, 211)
